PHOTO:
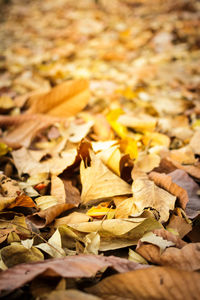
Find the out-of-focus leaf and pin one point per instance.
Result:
(9, 187)
(156, 139)
(195, 142)
(129, 146)
(68, 294)
(134, 256)
(139, 123)
(6, 103)
(147, 194)
(77, 266)
(147, 162)
(45, 217)
(22, 200)
(186, 258)
(99, 182)
(64, 100)
(152, 283)
(112, 118)
(4, 149)
(179, 225)
(16, 254)
(152, 238)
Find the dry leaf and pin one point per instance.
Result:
(23, 201)
(77, 266)
(154, 239)
(68, 294)
(118, 233)
(99, 182)
(147, 194)
(15, 254)
(165, 181)
(72, 218)
(45, 217)
(64, 100)
(186, 258)
(9, 187)
(195, 142)
(152, 283)
(179, 225)
(147, 162)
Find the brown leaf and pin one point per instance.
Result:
(72, 194)
(182, 179)
(77, 266)
(167, 235)
(186, 258)
(45, 217)
(66, 99)
(165, 181)
(28, 127)
(179, 225)
(153, 283)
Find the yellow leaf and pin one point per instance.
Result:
(156, 139)
(114, 161)
(99, 182)
(129, 146)
(4, 149)
(112, 118)
(99, 211)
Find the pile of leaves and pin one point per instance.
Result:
(100, 149)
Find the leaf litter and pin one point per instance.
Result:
(99, 149)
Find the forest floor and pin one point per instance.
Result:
(100, 149)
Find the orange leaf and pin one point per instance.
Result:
(64, 100)
(22, 200)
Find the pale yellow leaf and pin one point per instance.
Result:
(99, 182)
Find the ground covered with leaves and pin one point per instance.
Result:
(100, 149)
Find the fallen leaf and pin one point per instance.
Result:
(15, 254)
(45, 217)
(142, 122)
(165, 181)
(23, 201)
(77, 266)
(195, 142)
(54, 246)
(118, 233)
(179, 225)
(146, 162)
(147, 194)
(68, 294)
(134, 256)
(9, 187)
(72, 218)
(64, 100)
(154, 285)
(186, 258)
(154, 239)
(99, 182)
